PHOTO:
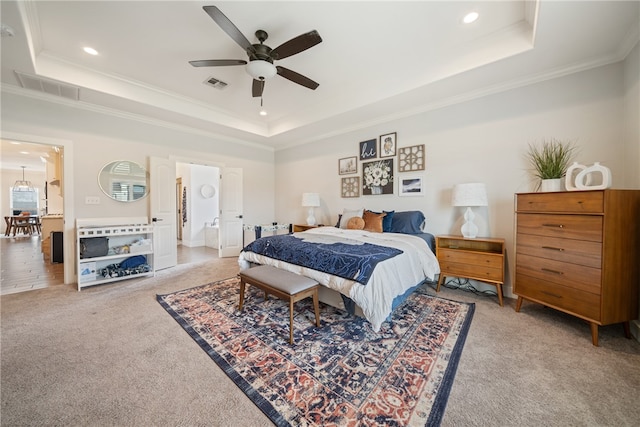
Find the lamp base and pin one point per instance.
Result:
(469, 229)
(311, 219)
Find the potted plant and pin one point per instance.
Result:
(550, 161)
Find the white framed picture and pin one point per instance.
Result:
(411, 185)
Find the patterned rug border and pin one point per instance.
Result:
(439, 403)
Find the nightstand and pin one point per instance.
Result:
(480, 259)
(303, 227)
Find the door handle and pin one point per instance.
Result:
(156, 219)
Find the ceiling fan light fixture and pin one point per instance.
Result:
(261, 70)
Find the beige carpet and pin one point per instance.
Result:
(110, 355)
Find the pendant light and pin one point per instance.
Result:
(23, 185)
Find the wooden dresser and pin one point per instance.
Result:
(579, 252)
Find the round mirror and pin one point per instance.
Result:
(124, 181)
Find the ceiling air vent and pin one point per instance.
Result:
(52, 87)
(218, 84)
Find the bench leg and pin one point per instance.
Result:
(316, 307)
(241, 294)
(290, 320)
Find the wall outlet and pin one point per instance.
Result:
(92, 200)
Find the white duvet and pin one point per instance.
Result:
(390, 278)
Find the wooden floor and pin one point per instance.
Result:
(23, 268)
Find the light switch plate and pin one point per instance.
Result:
(92, 200)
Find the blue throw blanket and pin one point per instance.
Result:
(349, 261)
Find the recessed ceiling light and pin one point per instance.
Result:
(470, 17)
(263, 113)
(90, 50)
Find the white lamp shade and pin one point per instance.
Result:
(261, 70)
(310, 199)
(471, 194)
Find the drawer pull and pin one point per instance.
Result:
(551, 294)
(553, 225)
(553, 249)
(547, 270)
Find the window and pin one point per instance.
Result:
(24, 201)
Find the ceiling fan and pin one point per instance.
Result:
(261, 56)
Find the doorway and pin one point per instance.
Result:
(28, 253)
(197, 208)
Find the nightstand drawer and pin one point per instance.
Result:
(573, 301)
(573, 276)
(579, 252)
(565, 202)
(579, 227)
(472, 258)
(471, 271)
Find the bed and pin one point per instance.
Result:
(372, 270)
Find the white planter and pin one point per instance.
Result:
(549, 185)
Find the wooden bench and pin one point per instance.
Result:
(283, 284)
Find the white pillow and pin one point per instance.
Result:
(347, 214)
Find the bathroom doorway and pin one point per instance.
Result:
(197, 211)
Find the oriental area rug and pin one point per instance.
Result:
(342, 373)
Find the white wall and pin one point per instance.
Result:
(631, 74)
(101, 138)
(483, 140)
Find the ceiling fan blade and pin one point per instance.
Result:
(297, 78)
(296, 45)
(228, 27)
(217, 62)
(257, 88)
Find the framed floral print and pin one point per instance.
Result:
(350, 187)
(411, 158)
(388, 145)
(348, 165)
(377, 177)
(410, 185)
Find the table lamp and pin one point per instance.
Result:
(311, 200)
(469, 195)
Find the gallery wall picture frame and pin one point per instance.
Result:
(368, 149)
(411, 159)
(388, 145)
(411, 185)
(350, 187)
(348, 165)
(377, 177)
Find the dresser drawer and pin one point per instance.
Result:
(579, 252)
(583, 304)
(565, 202)
(574, 276)
(579, 227)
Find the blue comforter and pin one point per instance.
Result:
(349, 261)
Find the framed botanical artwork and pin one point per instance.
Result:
(377, 177)
(350, 187)
(388, 145)
(410, 185)
(348, 165)
(368, 149)
(411, 158)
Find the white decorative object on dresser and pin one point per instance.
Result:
(578, 252)
(113, 249)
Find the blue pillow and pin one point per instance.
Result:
(386, 220)
(409, 222)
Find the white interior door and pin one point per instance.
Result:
(163, 212)
(231, 221)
